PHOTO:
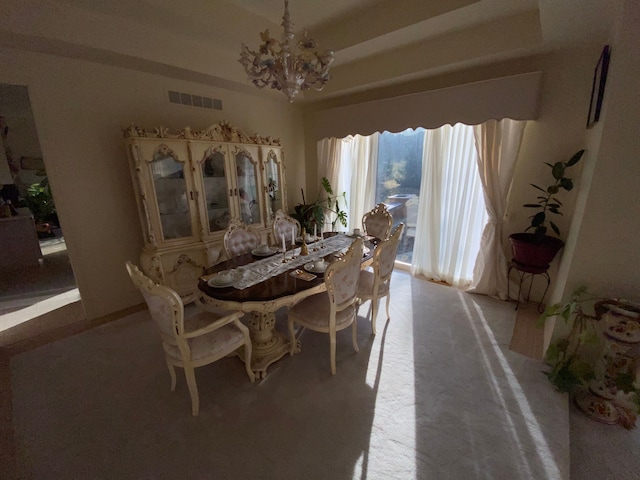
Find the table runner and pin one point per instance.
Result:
(261, 270)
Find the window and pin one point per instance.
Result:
(398, 181)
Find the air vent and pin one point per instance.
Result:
(194, 100)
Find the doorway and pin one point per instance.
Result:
(34, 264)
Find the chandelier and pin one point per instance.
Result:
(279, 65)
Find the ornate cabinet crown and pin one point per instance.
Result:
(190, 184)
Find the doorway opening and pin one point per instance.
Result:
(34, 263)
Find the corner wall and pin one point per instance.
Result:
(606, 256)
(79, 108)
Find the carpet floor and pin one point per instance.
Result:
(435, 394)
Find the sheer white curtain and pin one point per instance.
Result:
(361, 195)
(331, 153)
(329, 157)
(498, 143)
(350, 165)
(451, 211)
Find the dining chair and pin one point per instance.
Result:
(335, 309)
(239, 239)
(375, 284)
(282, 225)
(191, 342)
(377, 222)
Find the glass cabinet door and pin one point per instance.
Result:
(245, 163)
(167, 174)
(215, 188)
(273, 184)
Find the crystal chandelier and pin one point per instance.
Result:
(280, 66)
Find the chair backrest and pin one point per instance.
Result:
(342, 277)
(377, 222)
(240, 239)
(282, 225)
(165, 306)
(384, 256)
(412, 211)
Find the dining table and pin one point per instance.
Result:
(261, 283)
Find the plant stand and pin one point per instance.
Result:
(523, 272)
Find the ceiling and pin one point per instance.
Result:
(375, 42)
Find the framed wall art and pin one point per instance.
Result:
(597, 89)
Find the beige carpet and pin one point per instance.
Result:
(436, 394)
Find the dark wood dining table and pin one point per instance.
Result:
(263, 300)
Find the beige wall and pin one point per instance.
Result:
(606, 257)
(79, 108)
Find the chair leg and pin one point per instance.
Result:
(292, 336)
(355, 334)
(374, 313)
(247, 360)
(332, 351)
(172, 372)
(388, 300)
(193, 390)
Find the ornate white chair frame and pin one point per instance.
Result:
(377, 222)
(335, 309)
(282, 225)
(206, 337)
(374, 285)
(239, 239)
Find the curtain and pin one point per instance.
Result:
(329, 154)
(361, 195)
(451, 210)
(350, 165)
(497, 144)
(330, 157)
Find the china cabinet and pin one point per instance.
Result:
(189, 185)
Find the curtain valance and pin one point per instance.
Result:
(514, 97)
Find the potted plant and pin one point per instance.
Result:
(310, 214)
(536, 249)
(594, 362)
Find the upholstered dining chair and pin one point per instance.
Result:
(374, 285)
(377, 222)
(239, 239)
(198, 340)
(282, 225)
(335, 309)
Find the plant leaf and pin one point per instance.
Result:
(554, 227)
(558, 170)
(539, 188)
(326, 185)
(576, 158)
(532, 205)
(552, 189)
(566, 183)
(538, 219)
(557, 201)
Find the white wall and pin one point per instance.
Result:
(607, 246)
(79, 108)
(557, 134)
